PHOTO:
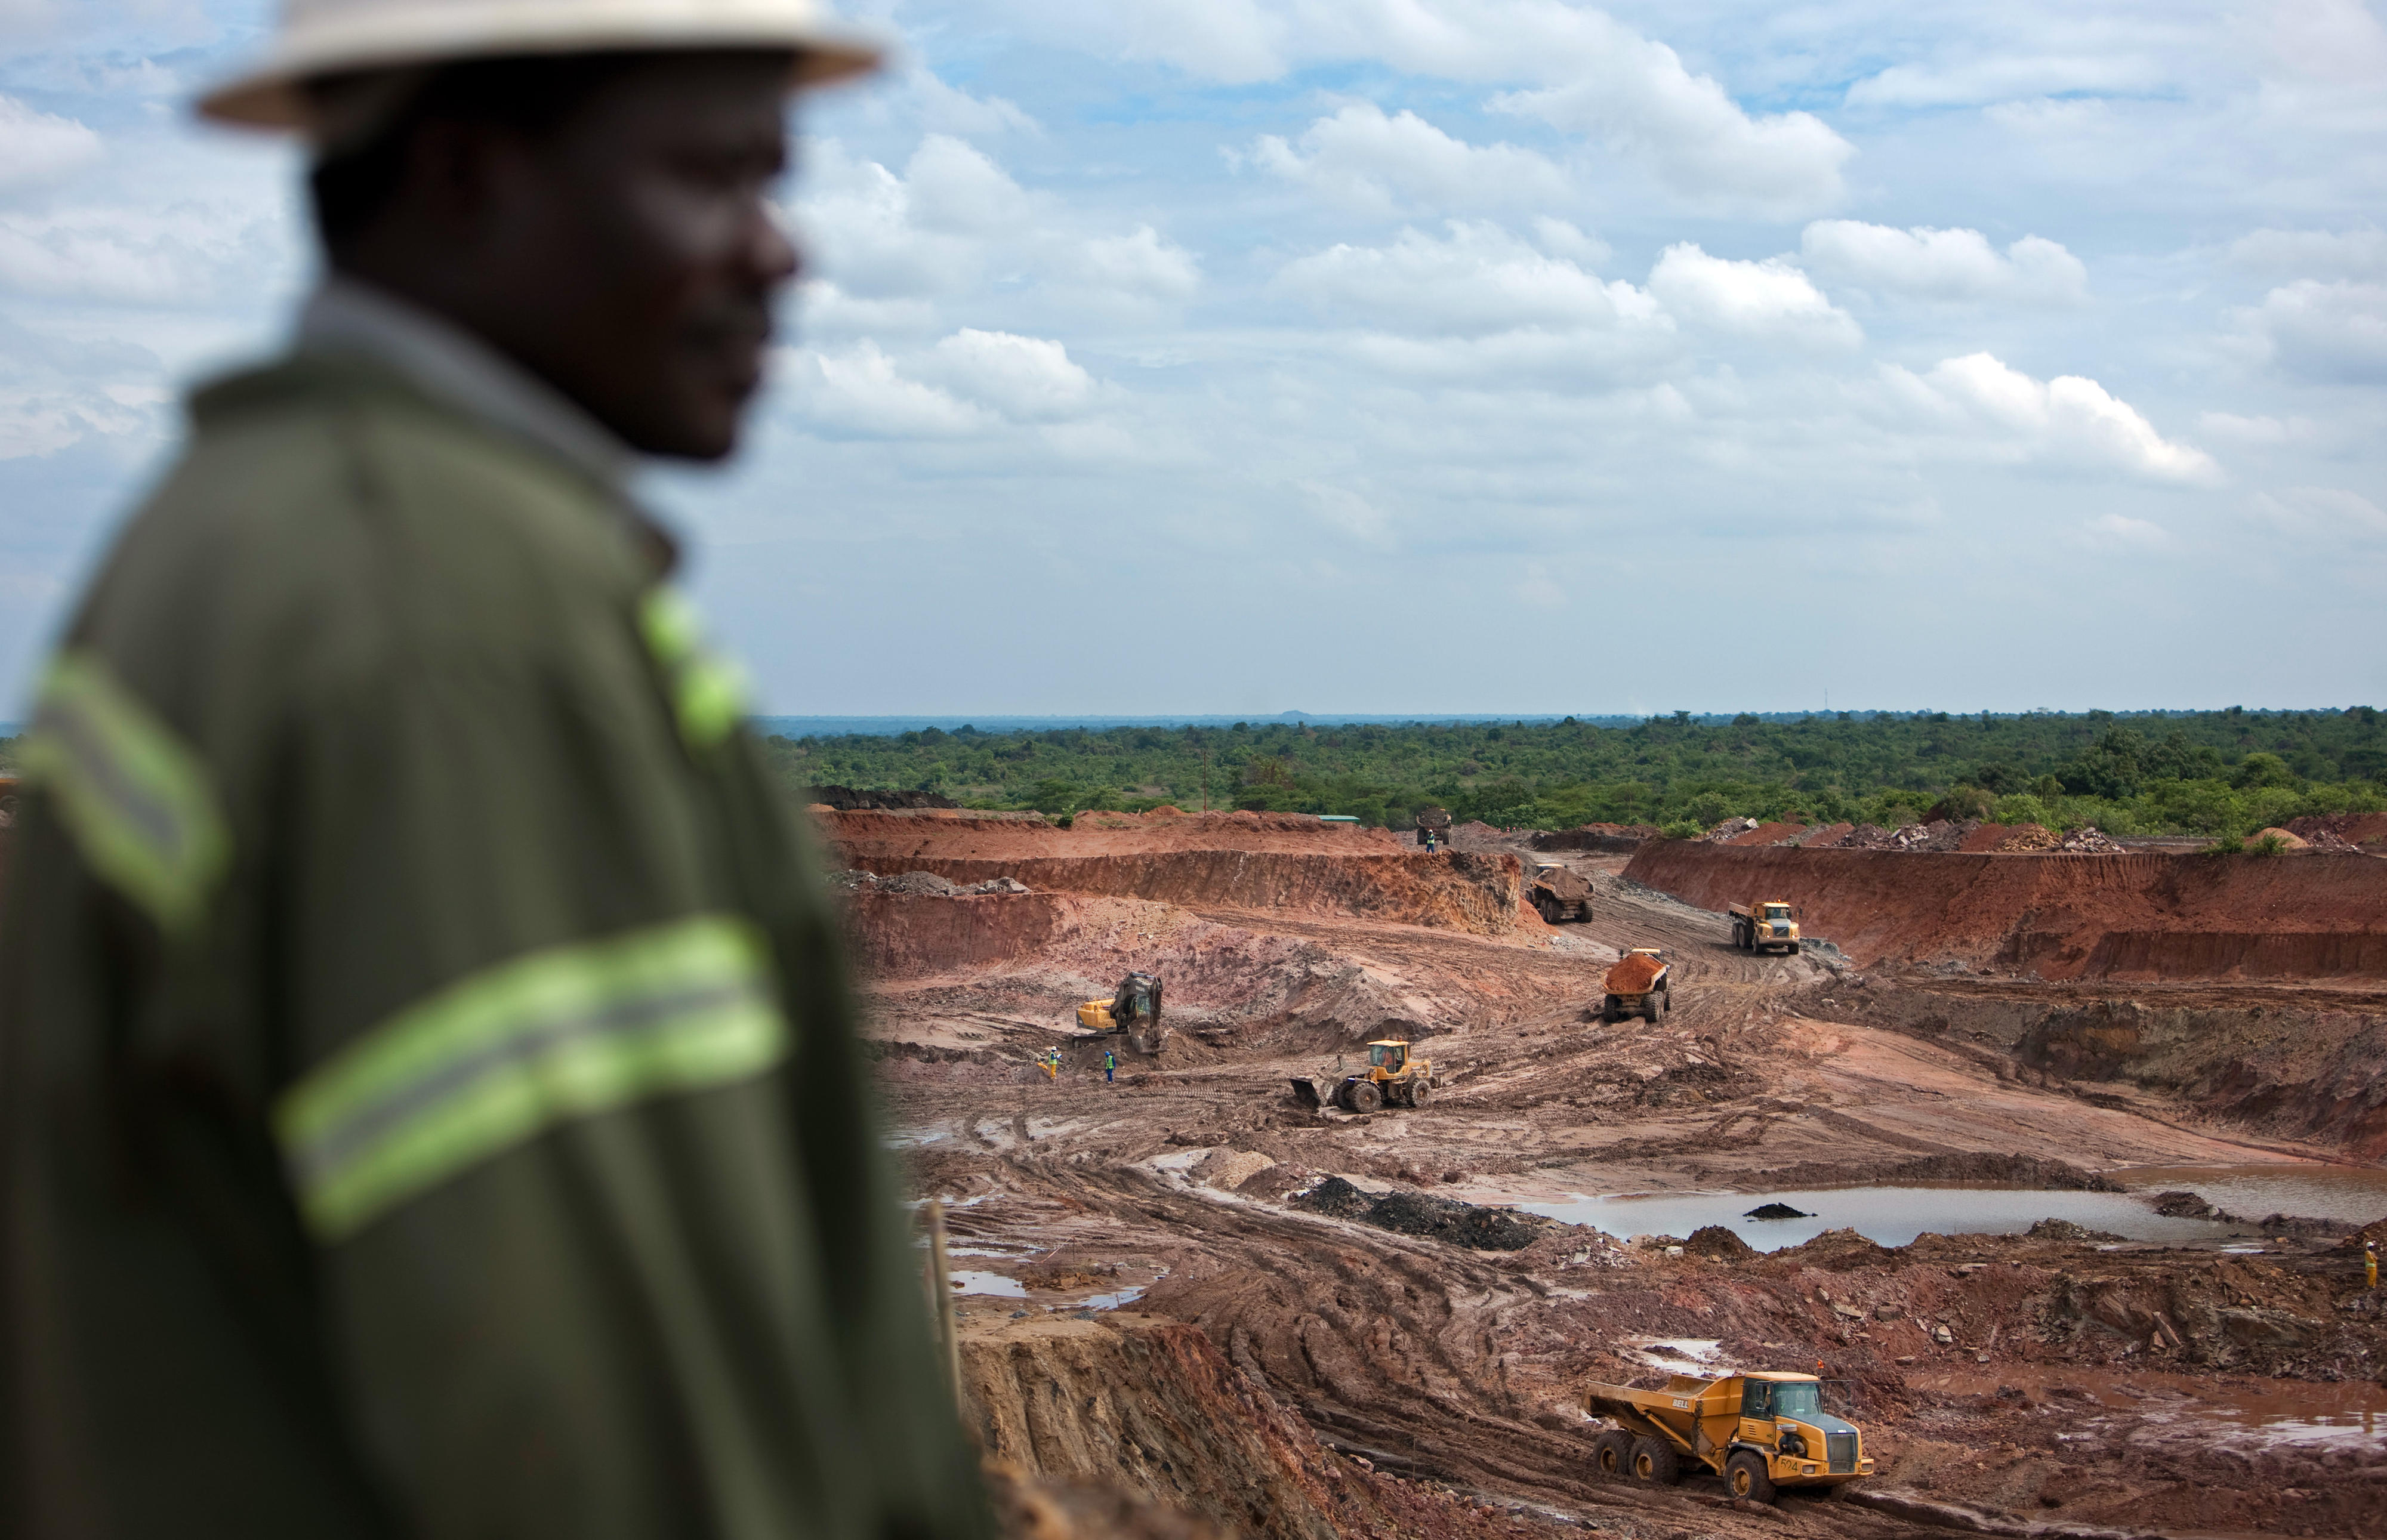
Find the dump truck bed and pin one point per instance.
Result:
(1696, 1416)
(1634, 972)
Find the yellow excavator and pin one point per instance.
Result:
(1132, 1013)
(1760, 1431)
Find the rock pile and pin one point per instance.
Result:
(847, 799)
(1446, 1219)
(2089, 839)
(923, 884)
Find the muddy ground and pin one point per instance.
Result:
(1153, 1325)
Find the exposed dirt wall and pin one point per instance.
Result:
(1153, 1407)
(2304, 1072)
(898, 935)
(1209, 862)
(2063, 916)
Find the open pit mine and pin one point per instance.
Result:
(2047, 1174)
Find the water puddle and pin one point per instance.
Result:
(1676, 1355)
(968, 1281)
(2356, 1194)
(1889, 1216)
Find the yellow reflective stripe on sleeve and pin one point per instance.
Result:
(496, 1058)
(138, 802)
(708, 692)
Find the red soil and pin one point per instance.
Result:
(2355, 828)
(899, 935)
(2062, 916)
(1632, 974)
(1211, 861)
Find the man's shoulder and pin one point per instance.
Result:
(329, 492)
(326, 523)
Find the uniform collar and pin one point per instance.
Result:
(435, 355)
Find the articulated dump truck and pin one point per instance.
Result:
(1764, 925)
(1558, 892)
(1642, 984)
(1760, 1431)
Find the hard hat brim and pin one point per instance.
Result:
(272, 95)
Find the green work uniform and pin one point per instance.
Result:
(429, 1099)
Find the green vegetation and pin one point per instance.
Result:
(2222, 773)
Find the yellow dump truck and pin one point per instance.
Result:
(1642, 984)
(1558, 892)
(1391, 1076)
(1764, 926)
(1760, 1431)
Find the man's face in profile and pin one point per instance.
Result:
(638, 248)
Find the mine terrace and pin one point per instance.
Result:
(2072, 1151)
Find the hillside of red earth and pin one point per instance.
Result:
(2061, 916)
(2078, 1247)
(1283, 862)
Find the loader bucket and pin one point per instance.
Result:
(1313, 1095)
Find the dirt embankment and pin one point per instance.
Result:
(2291, 1069)
(1212, 861)
(1150, 1409)
(2139, 917)
(1036, 955)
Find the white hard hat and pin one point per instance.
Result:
(334, 37)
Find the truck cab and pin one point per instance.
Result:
(1782, 1416)
(1766, 925)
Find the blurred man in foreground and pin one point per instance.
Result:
(428, 1098)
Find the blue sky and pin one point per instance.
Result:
(1392, 356)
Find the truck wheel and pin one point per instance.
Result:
(1649, 1009)
(1794, 949)
(1668, 995)
(1420, 1091)
(1610, 1008)
(1744, 1476)
(1365, 1096)
(1655, 1463)
(1612, 1455)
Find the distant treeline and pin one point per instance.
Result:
(2204, 772)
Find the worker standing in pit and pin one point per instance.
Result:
(1110, 1065)
(429, 1096)
(2370, 1264)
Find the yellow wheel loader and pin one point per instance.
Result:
(1760, 1431)
(1392, 1076)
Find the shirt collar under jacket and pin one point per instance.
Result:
(438, 356)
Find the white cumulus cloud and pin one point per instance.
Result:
(1942, 264)
(2069, 419)
(37, 147)
(1025, 379)
(1141, 265)
(2335, 333)
(1769, 299)
(1363, 158)
(860, 393)
(1476, 279)
(2006, 77)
